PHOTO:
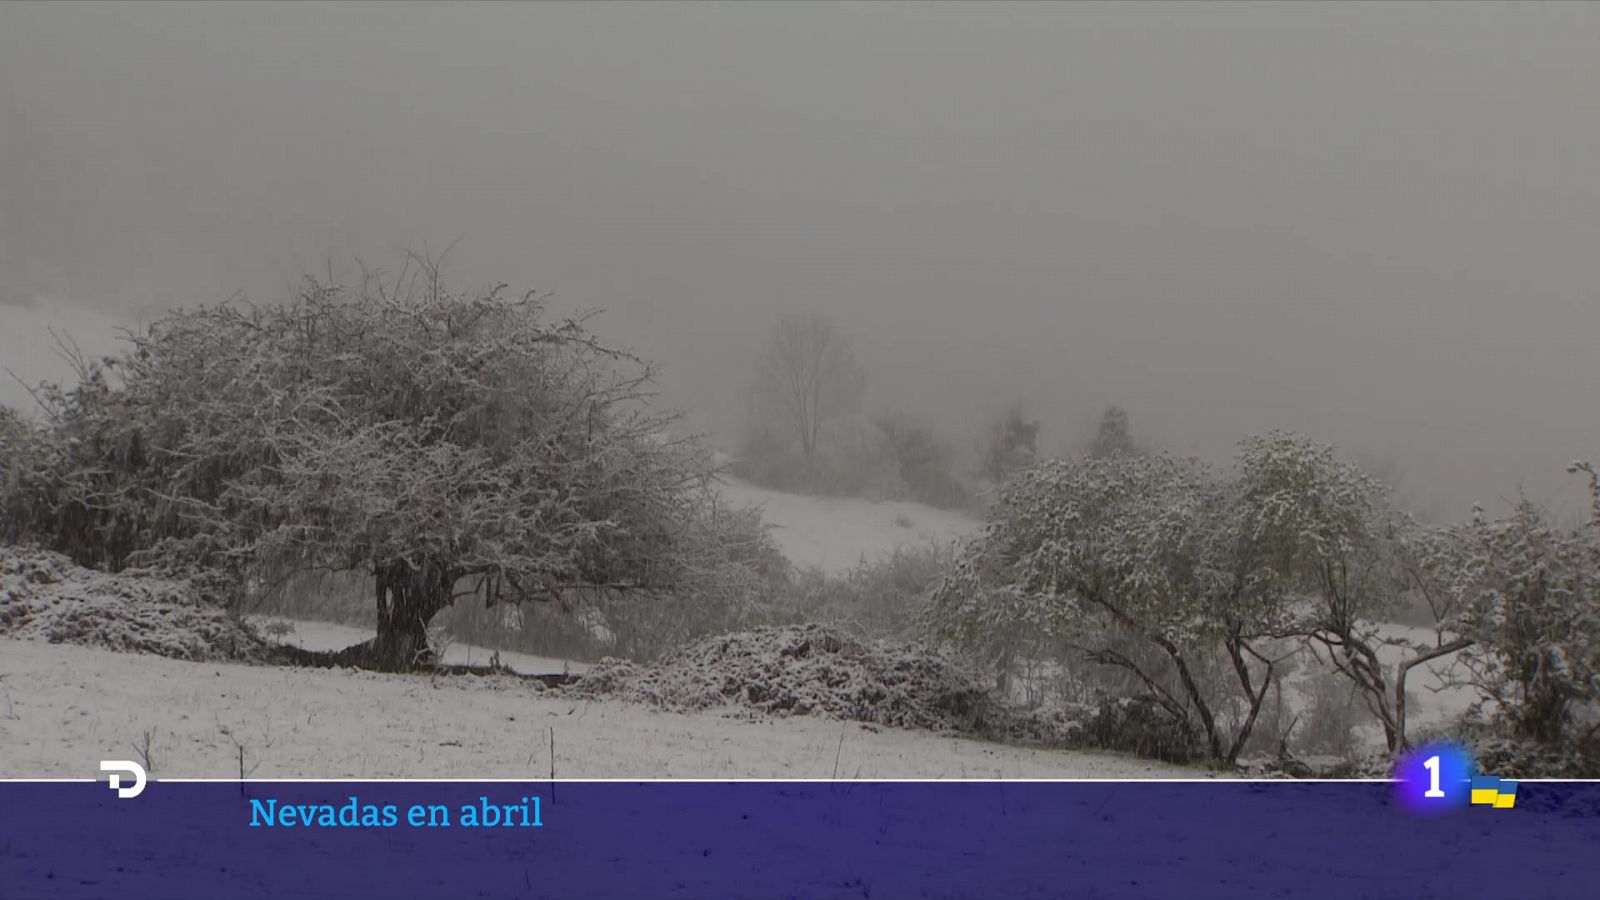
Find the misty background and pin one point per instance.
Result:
(1378, 225)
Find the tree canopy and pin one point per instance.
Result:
(430, 438)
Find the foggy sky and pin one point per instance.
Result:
(1378, 225)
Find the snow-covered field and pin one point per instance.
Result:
(325, 636)
(63, 708)
(837, 533)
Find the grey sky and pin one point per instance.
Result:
(1376, 224)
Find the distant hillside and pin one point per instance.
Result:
(836, 533)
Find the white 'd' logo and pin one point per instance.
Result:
(115, 766)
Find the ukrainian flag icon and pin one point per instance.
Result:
(1507, 798)
(1487, 790)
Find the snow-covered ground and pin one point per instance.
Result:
(837, 533)
(63, 708)
(323, 636)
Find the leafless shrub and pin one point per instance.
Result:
(146, 754)
(247, 759)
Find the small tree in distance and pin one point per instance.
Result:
(1012, 444)
(1113, 436)
(807, 376)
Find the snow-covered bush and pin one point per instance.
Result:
(920, 461)
(1142, 726)
(45, 596)
(1497, 748)
(812, 670)
(881, 599)
(78, 483)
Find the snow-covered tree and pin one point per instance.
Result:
(446, 444)
(1012, 444)
(1514, 600)
(1095, 551)
(1346, 554)
(1592, 475)
(807, 376)
(1529, 596)
(1112, 435)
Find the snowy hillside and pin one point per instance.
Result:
(837, 533)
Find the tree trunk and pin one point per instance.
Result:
(408, 598)
(1400, 742)
(1242, 669)
(1207, 720)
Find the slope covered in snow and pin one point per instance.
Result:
(63, 708)
(837, 533)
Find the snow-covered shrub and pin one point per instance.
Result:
(1497, 748)
(881, 598)
(920, 461)
(77, 483)
(817, 670)
(1520, 757)
(45, 596)
(1141, 725)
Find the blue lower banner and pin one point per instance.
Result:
(790, 839)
